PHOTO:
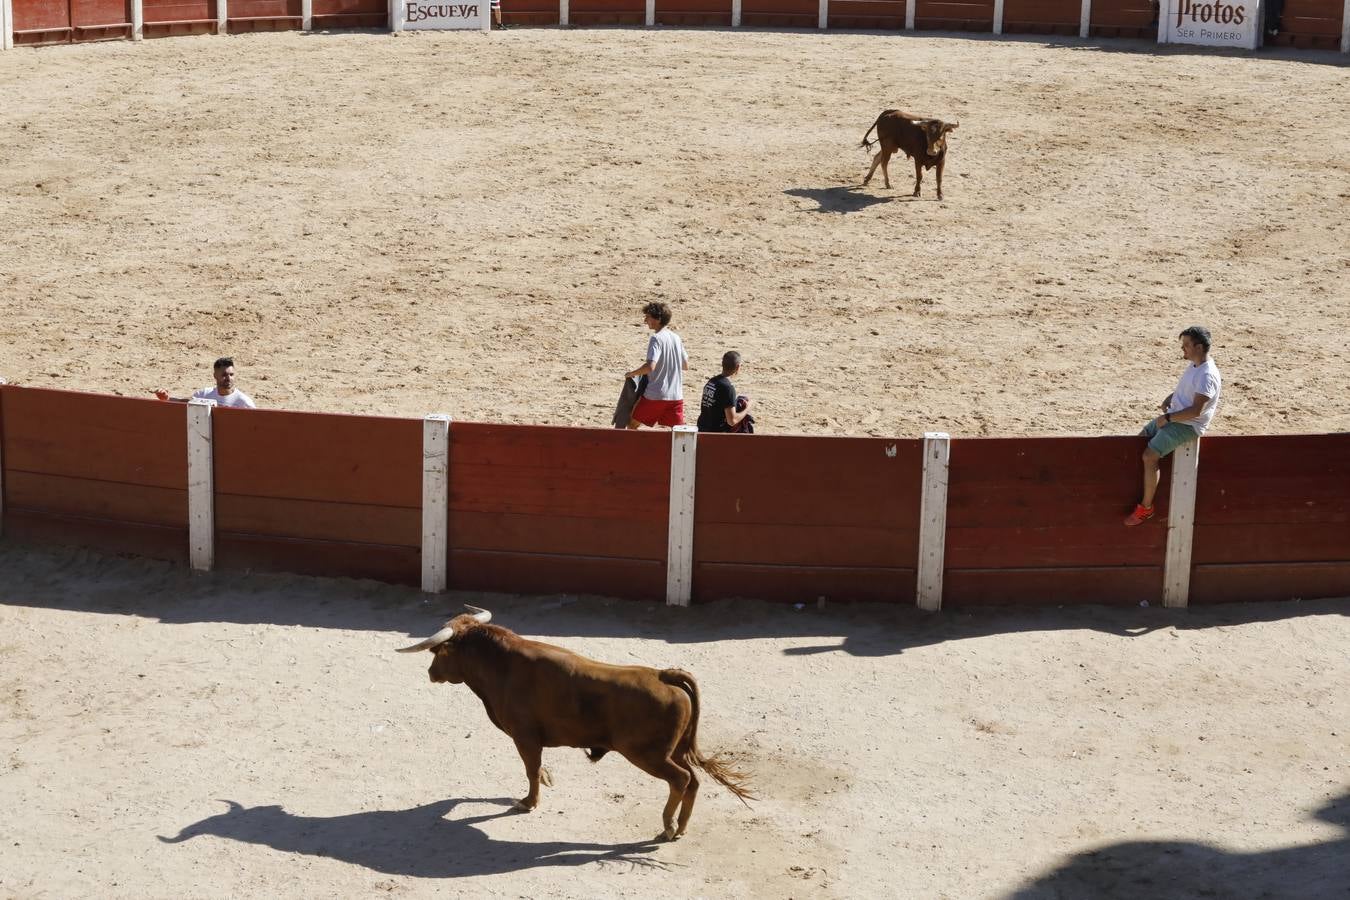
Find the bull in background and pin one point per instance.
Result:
(922, 140)
(545, 696)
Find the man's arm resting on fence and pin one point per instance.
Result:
(1183, 415)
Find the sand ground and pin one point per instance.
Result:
(166, 735)
(469, 222)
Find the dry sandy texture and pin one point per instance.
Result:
(961, 756)
(468, 223)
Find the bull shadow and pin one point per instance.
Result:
(419, 842)
(1186, 869)
(840, 200)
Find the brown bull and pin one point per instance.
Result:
(922, 140)
(545, 696)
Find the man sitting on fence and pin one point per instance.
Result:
(1187, 412)
(224, 393)
(721, 409)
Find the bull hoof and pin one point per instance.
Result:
(669, 835)
(524, 804)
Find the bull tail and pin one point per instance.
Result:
(721, 769)
(866, 144)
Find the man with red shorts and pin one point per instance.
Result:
(662, 403)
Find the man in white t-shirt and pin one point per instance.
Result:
(1187, 412)
(662, 403)
(224, 393)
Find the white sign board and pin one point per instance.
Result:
(1210, 23)
(438, 15)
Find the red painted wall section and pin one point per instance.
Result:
(954, 15)
(531, 12)
(64, 21)
(350, 14)
(539, 509)
(780, 13)
(1310, 24)
(887, 15)
(1041, 16)
(607, 12)
(173, 17)
(796, 518)
(693, 12)
(318, 493)
(108, 473)
(1038, 521)
(263, 15)
(1123, 18)
(1272, 518)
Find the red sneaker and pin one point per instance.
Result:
(1140, 515)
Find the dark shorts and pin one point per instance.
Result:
(659, 412)
(1168, 438)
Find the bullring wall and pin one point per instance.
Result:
(534, 509)
(1314, 24)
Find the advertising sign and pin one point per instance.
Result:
(1211, 23)
(438, 15)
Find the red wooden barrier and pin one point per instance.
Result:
(349, 14)
(67, 21)
(693, 12)
(103, 472)
(542, 509)
(1310, 24)
(888, 15)
(954, 15)
(796, 518)
(165, 18)
(1041, 16)
(530, 12)
(780, 13)
(1038, 521)
(1272, 518)
(607, 12)
(1123, 18)
(318, 493)
(263, 15)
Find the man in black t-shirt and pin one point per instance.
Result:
(718, 410)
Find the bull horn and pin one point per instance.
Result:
(439, 637)
(479, 614)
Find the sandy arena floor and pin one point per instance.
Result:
(469, 223)
(166, 736)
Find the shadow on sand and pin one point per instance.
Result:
(81, 581)
(1184, 869)
(418, 842)
(846, 199)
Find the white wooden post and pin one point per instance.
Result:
(736, 13)
(651, 13)
(6, 25)
(998, 16)
(823, 15)
(1181, 525)
(1345, 27)
(680, 533)
(201, 486)
(1084, 18)
(137, 20)
(306, 15)
(435, 502)
(223, 16)
(909, 14)
(932, 520)
(563, 12)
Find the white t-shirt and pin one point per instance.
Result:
(665, 351)
(1198, 379)
(236, 398)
